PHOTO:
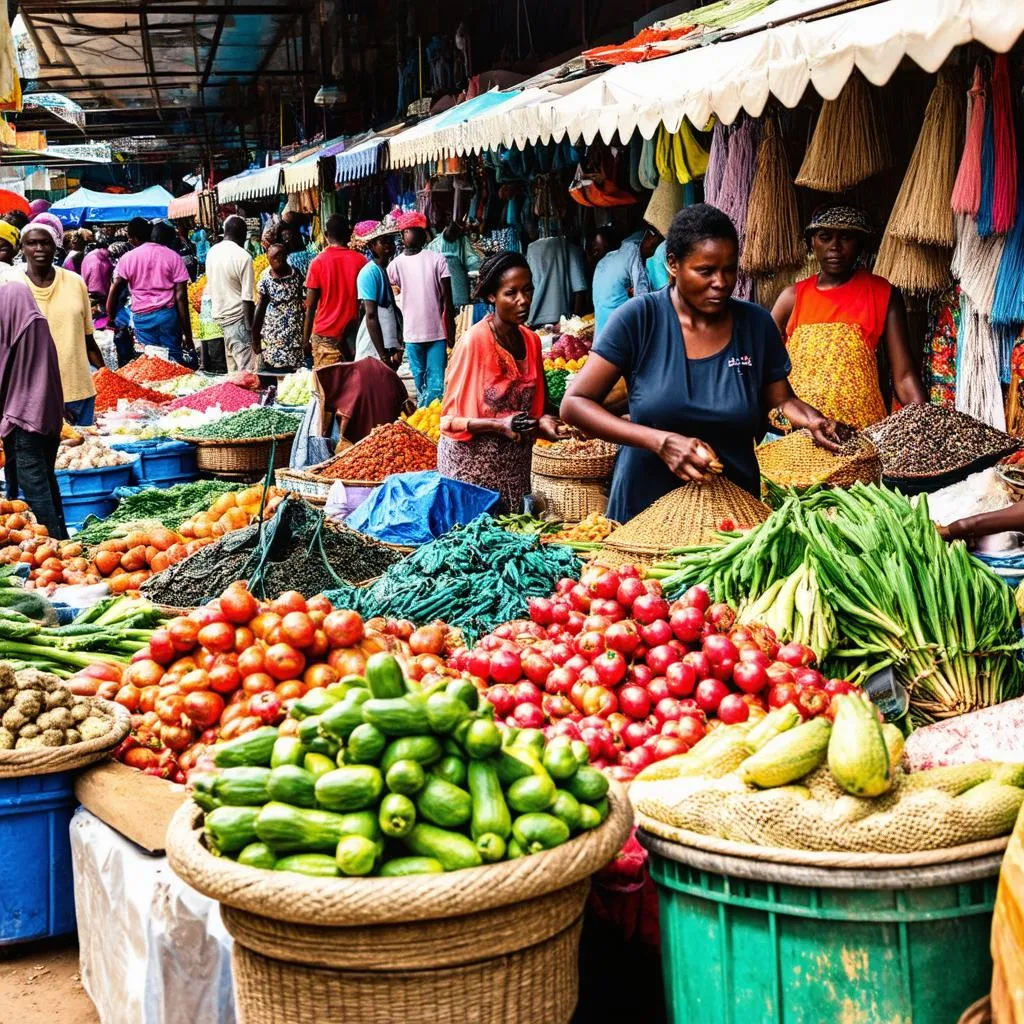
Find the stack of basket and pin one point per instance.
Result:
(570, 477)
(797, 462)
(691, 514)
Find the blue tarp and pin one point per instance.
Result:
(485, 103)
(85, 206)
(415, 508)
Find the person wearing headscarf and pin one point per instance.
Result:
(55, 223)
(380, 331)
(64, 301)
(428, 310)
(75, 242)
(9, 236)
(835, 320)
(31, 404)
(495, 391)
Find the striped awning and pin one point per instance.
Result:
(252, 184)
(184, 206)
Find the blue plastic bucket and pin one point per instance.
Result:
(78, 508)
(37, 892)
(95, 482)
(162, 461)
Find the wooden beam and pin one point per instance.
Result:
(147, 57)
(214, 44)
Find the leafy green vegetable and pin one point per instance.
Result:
(256, 422)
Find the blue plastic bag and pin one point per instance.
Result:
(414, 508)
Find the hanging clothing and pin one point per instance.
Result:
(362, 395)
(618, 276)
(559, 272)
(461, 258)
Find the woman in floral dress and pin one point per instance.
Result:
(277, 331)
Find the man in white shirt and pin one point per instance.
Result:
(229, 283)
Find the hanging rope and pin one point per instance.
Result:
(978, 391)
(966, 195)
(1004, 198)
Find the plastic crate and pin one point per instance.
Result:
(95, 482)
(78, 507)
(781, 945)
(161, 460)
(37, 893)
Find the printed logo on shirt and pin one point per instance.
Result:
(740, 363)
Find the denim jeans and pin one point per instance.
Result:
(427, 362)
(84, 411)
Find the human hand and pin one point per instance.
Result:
(688, 457)
(823, 431)
(553, 429)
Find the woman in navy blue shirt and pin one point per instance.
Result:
(703, 371)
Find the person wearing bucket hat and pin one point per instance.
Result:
(380, 333)
(702, 368)
(835, 320)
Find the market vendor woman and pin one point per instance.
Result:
(835, 320)
(494, 390)
(703, 369)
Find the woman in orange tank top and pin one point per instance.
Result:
(834, 321)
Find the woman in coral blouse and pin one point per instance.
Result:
(494, 389)
(834, 321)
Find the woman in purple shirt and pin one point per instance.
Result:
(31, 405)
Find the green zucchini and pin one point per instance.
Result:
(405, 777)
(532, 740)
(482, 738)
(397, 716)
(356, 855)
(299, 829)
(230, 829)
(340, 720)
(490, 812)
(316, 865)
(451, 769)
(582, 751)
(254, 749)
(202, 785)
(365, 745)
(516, 763)
(352, 788)
(491, 847)
(538, 832)
(424, 749)
(346, 684)
(451, 849)
(326, 745)
(567, 808)
(257, 855)
(445, 713)
(397, 815)
(513, 851)
(318, 764)
(242, 787)
(443, 804)
(313, 703)
(384, 676)
(559, 760)
(465, 691)
(401, 867)
(534, 793)
(287, 750)
(293, 785)
(588, 785)
(590, 817)
(309, 730)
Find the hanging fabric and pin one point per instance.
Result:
(717, 157)
(1004, 193)
(975, 263)
(966, 196)
(649, 164)
(978, 391)
(940, 349)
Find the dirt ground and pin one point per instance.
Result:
(39, 984)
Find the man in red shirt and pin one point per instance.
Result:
(332, 307)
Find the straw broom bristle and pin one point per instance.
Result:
(773, 239)
(911, 267)
(922, 211)
(771, 286)
(849, 144)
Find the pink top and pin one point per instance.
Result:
(151, 271)
(97, 271)
(419, 277)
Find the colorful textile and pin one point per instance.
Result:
(281, 343)
(420, 278)
(839, 218)
(491, 461)
(863, 301)
(461, 258)
(940, 350)
(362, 395)
(300, 261)
(152, 271)
(485, 382)
(333, 273)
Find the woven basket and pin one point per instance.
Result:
(245, 457)
(796, 462)
(489, 945)
(569, 500)
(575, 460)
(15, 764)
(306, 482)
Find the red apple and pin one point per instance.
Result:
(750, 677)
(733, 709)
(686, 624)
(635, 701)
(709, 694)
(656, 633)
(681, 678)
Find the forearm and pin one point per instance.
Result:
(249, 313)
(373, 328)
(307, 324)
(185, 319)
(1011, 518)
(449, 324)
(910, 390)
(92, 351)
(474, 426)
(799, 413)
(596, 421)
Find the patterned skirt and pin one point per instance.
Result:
(497, 463)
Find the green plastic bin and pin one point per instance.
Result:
(746, 941)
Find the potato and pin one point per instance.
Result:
(6, 739)
(13, 719)
(53, 737)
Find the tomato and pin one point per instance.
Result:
(590, 644)
(623, 636)
(129, 696)
(204, 708)
(218, 636)
(536, 667)
(244, 638)
(258, 682)
(253, 659)
(812, 702)
(208, 614)
(505, 666)
(635, 701)
(291, 689)
(161, 649)
(170, 707)
(320, 645)
(238, 605)
(263, 624)
(193, 682)
(528, 716)
(750, 677)
(284, 662)
(709, 694)
(183, 634)
(540, 609)
(647, 608)
(656, 634)
(733, 709)
(266, 707)
(319, 604)
(318, 676)
(297, 629)
(796, 655)
(669, 746)
(225, 678)
(719, 648)
(289, 601)
(697, 597)
(610, 667)
(782, 693)
(232, 712)
(427, 640)
(599, 700)
(344, 628)
(347, 662)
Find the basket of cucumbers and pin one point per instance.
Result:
(391, 839)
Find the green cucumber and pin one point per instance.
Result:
(352, 788)
(257, 855)
(538, 832)
(482, 738)
(405, 777)
(326, 745)
(384, 676)
(559, 760)
(515, 763)
(201, 785)
(532, 740)
(424, 749)
(287, 750)
(588, 785)
(340, 720)
(451, 769)
(567, 808)
(309, 730)
(316, 865)
(590, 817)
(465, 691)
(297, 829)
(490, 812)
(451, 849)
(534, 793)
(254, 749)
(293, 785)
(313, 703)
(345, 685)
(509, 734)
(230, 829)
(397, 815)
(365, 744)
(397, 716)
(242, 787)
(356, 855)
(401, 867)
(513, 851)
(602, 807)
(318, 764)
(443, 804)
(445, 713)
(491, 847)
(582, 751)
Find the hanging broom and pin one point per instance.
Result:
(734, 193)
(849, 144)
(717, 158)
(913, 268)
(1004, 198)
(774, 240)
(966, 195)
(922, 211)
(976, 263)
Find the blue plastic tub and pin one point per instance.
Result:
(78, 507)
(95, 482)
(162, 461)
(37, 893)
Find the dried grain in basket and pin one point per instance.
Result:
(691, 514)
(575, 459)
(796, 461)
(569, 500)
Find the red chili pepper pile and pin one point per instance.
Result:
(391, 448)
(230, 397)
(111, 387)
(147, 368)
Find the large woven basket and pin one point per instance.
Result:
(246, 457)
(796, 462)
(575, 460)
(16, 764)
(306, 482)
(569, 500)
(490, 945)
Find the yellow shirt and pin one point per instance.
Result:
(65, 304)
